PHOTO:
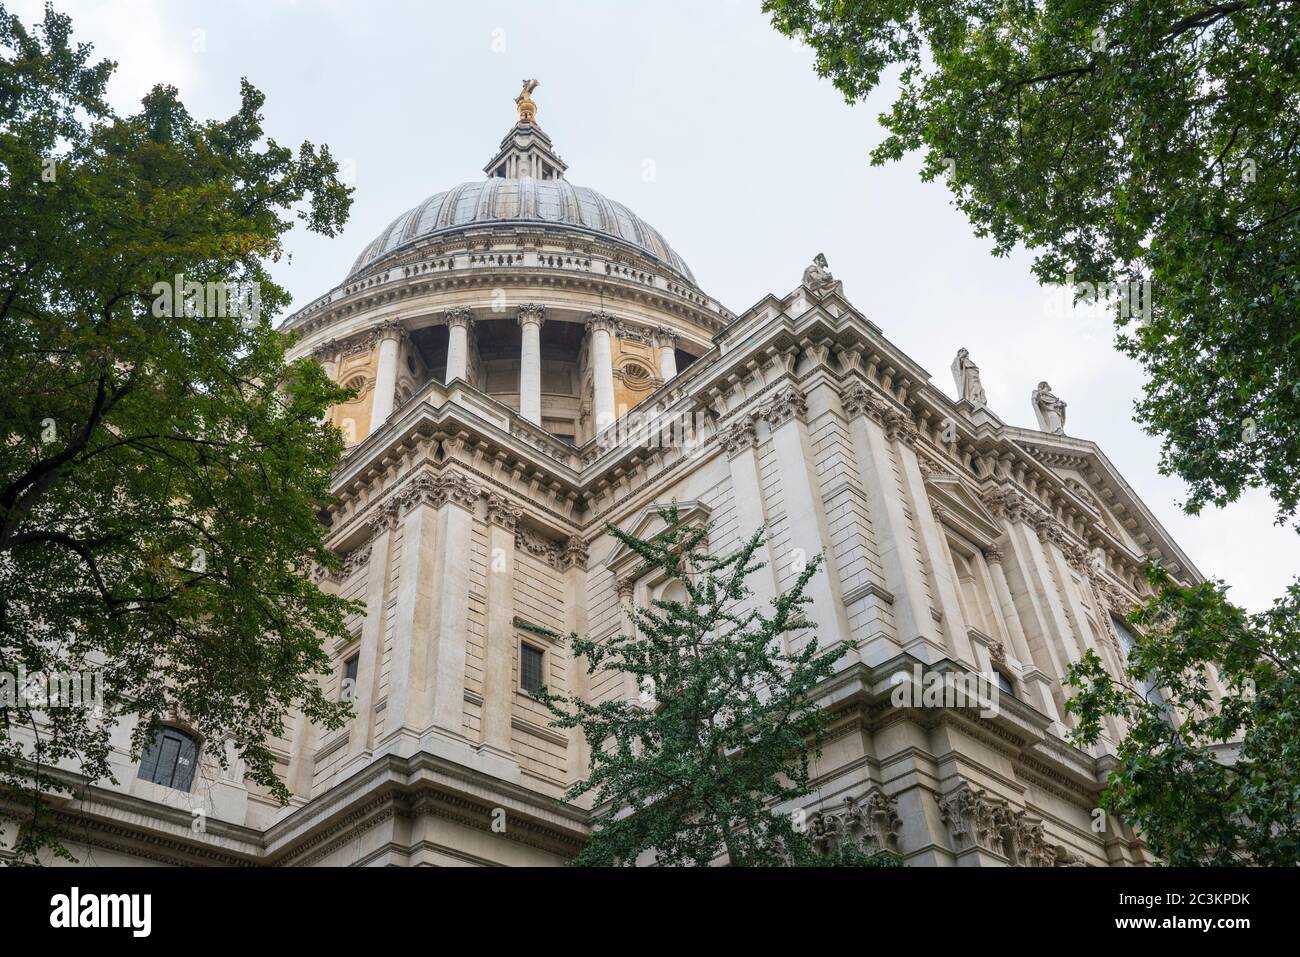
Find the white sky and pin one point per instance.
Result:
(714, 128)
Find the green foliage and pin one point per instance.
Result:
(1205, 781)
(1121, 140)
(728, 723)
(163, 469)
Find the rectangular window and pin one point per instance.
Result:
(530, 668)
(348, 689)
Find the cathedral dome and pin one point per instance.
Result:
(512, 202)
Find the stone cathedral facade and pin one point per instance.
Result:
(532, 360)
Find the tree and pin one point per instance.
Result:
(1157, 143)
(1122, 142)
(1205, 781)
(163, 467)
(726, 722)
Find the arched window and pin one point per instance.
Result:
(170, 759)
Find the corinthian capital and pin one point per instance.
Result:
(458, 317)
(531, 312)
(788, 404)
(601, 322)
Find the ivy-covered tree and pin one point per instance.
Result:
(162, 467)
(690, 771)
(1204, 780)
(1156, 141)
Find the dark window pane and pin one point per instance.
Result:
(348, 689)
(530, 668)
(170, 759)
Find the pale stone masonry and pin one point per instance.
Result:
(533, 361)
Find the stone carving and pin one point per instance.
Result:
(788, 404)
(871, 821)
(967, 376)
(531, 312)
(501, 511)
(524, 102)
(978, 819)
(1006, 503)
(601, 322)
(993, 555)
(740, 436)
(575, 553)
(998, 651)
(458, 317)
(857, 400)
(899, 429)
(818, 278)
(538, 546)
(1049, 409)
(438, 490)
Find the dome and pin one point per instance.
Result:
(499, 201)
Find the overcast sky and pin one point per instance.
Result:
(714, 128)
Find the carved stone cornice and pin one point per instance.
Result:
(739, 436)
(787, 404)
(530, 312)
(870, 821)
(502, 512)
(458, 317)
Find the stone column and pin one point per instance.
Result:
(372, 629)
(601, 326)
(666, 339)
(809, 532)
(916, 628)
(574, 562)
(427, 674)
(327, 356)
(459, 323)
(499, 650)
(531, 317)
(381, 405)
(740, 443)
(1037, 684)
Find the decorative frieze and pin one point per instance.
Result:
(870, 821)
(539, 547)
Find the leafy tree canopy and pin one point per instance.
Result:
(162, 467)
(1204, 779)
(1155, 140)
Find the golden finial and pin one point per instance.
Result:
(524, 101)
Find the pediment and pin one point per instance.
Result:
(962, 511)
(648, 523)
